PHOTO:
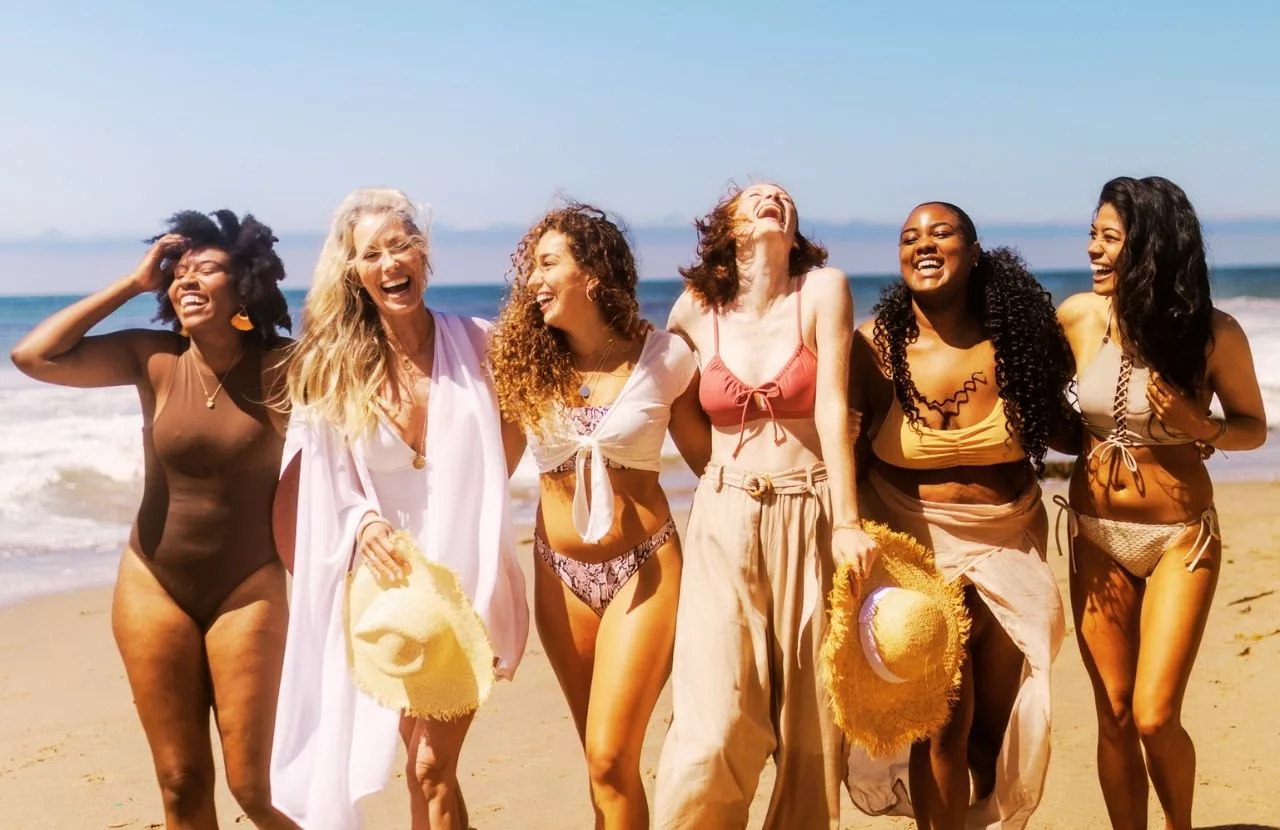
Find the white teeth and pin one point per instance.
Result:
(192, 301)
(928, 265)
(1100, 269)
(394, 286)
(543, 297)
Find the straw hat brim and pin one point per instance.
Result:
(446, 690)
(880, 716)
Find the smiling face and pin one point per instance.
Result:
(559, 285)
(391, 262)
(934, 254)
(766, 210)
(201, 292)
(1106, 244)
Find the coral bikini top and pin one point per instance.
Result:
(790, 394)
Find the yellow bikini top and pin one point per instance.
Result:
(979, 445)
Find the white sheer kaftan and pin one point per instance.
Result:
(333, 744)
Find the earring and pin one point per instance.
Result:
(183, 331)
(591, 293)
(241, 321)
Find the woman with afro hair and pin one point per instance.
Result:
(1146, 549)
(959, 379)
(199, 611)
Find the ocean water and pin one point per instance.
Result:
(71, 459)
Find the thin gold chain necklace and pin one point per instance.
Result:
(208, 398)
(585, 389)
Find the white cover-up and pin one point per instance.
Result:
(1000, 549)
(630, 433)
(333, 744)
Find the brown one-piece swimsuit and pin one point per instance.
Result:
(204, 524)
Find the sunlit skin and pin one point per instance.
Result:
(176, 667)
(935, 261)
(1106, 244)
(1139, 638)
(611, 667)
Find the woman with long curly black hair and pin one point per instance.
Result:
(960, 381)
(199, 612)
(1153, 352)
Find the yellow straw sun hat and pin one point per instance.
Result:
(894, 646)
(417, 645)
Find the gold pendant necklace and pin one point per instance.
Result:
(585, 389)
(208, 398)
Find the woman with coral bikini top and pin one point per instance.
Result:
(772, 516)
(731, 403)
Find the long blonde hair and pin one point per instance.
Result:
(342, 359)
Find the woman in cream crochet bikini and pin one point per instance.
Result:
(1152, 353)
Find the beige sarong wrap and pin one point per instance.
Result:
(1000, 549)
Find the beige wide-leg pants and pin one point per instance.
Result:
(753, 601)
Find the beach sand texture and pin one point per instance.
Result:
(72, 754)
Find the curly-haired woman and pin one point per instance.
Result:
(396, 425)
(769, 522)
(199, 611)
(960, 381)
(1152, 352)
(597, 389)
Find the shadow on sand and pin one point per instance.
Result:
(1241, 827)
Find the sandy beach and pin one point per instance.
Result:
(73, 756)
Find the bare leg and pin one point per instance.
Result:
(997, 677)
(245, 646)
(1174, 613)
(1106, 602)
(567, 628)
(939, 768)
(435, 799)
(164, 657)
(633, 660)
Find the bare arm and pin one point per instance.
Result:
(513, 443)
(57, 350)
(834, 336)
(863, 371)
(690, 429)
(1232, 379)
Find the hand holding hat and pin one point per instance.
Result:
(417, 644)
(894, 647)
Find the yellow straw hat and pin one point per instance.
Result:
(894, 646)
(417, 645)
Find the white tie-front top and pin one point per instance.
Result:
(630, 434)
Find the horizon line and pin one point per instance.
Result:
(841, 230)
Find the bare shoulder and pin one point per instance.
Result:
(684, 312)
(1229, 337)
(149, 343)
(1081, 308)
(827, 283)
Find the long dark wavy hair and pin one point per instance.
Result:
(531, 362)
(255, 268)
(1034, 364)
(713, 276)
(1162, 301)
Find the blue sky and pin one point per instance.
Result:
(116, 114)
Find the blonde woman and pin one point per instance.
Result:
(396, 426)
(597, 389)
